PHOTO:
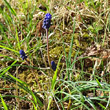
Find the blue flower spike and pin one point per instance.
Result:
(22, 54)
(47, 21)
(53, 65)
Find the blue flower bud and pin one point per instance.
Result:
(47, 21)
(22, 54)
(53, 65)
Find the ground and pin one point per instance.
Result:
(79, 44)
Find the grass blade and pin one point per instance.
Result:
(71, 44)
(9, 49)
(103, 107)
(17, 38)
(55, 74)
(7, 69)
(99, 83)
(10, 8)
(3, 102)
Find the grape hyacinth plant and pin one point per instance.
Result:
(46, 25)
(47, 21)
(53, 65)
(22, 54)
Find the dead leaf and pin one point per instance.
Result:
(39, 28)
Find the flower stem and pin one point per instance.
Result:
(47, 47)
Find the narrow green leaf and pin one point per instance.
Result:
(74, 59)
(71, 45)
(35, 108)
(67, 65)
(17, 38)
(98, 83)
(18, 80)
(10, 8)
(9, 49)
(3, 102)
(55, 74)
(103, 107)
(7, 68)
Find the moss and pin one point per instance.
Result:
(43, 80)
(76, 35)
(67, 50)
(77, 43)
(56, 52)
(1, 63)
(84, 45)
(22, 76)
(85, 35)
